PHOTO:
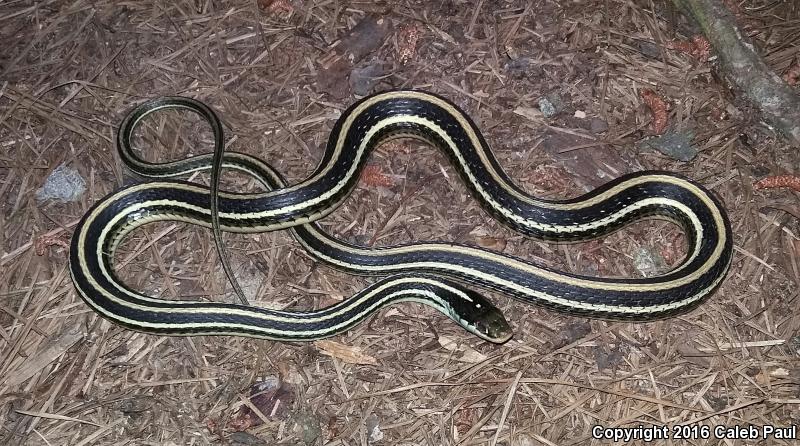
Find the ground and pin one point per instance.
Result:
(564, 93)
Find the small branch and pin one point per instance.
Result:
(778, 103)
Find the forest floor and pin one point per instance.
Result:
(564, 92)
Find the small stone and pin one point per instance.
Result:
(524, 440)
(597, 125)
(310, 429)
(546, 108)
(517, 67)
(648, 262)
(649, 49)
(362, 80)
(794, 343)
(373, 429)
(64, 184)
(551, 105)
(677, 145)
(245, 439)
(608, 359)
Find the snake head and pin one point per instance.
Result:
(480, 317)
(493, 327)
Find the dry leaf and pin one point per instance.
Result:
(534, 114)
(270, 397)
(347, 353)
(407, 39)
(48, 352)
(658, 107)
(42, 243)
(276, 6)
(777, 181)
(373, 176)
(365, 38)
(698, 47)
(492, 243)
(468, 354)
(792, 77)
(771, 375)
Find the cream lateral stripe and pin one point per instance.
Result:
(604, 221)
(493, 257)
(608, 220)
(104, 235)
(548, 297)
(143, 165)
(266, 170)
(406, 295)
(464, 165)
(475, 142)
(480, 149)
(191, 307)
(476, 253)
(489, 278)
(186, 219)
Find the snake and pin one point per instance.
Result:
(442, 275)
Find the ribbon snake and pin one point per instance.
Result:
(433, 273)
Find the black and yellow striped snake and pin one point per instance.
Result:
(422, 272)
